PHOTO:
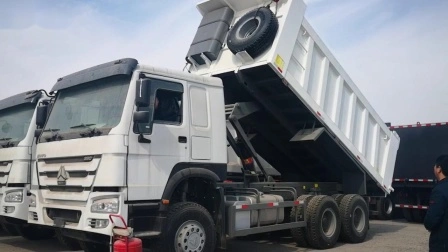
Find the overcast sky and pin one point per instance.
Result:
(396, 51)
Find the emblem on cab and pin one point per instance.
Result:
(63, 175)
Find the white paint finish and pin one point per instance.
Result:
(150, 165)
(321, 83)
(23, 163)
(20, 209)
(199, 107)
(6, 168)
(288, 30)
(201, 149)
(83, 206)
(111, 164)
(330, 97)
(78, 147)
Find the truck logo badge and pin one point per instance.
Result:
(63, 175)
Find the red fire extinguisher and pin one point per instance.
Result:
(122, 236)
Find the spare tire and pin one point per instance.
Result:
(254, 32)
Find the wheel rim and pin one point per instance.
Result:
(247, 29)
(329, 222)
(359, 219)
(190, 237)
(388, 206)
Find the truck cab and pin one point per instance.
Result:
(17, 161)
(107, 150)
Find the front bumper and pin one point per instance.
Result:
(75, 215)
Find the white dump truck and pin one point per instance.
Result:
(265, 132)
(17, 161)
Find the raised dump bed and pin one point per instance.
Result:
(311, 123)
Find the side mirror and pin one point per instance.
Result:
(142, 93)
(141, 117)
(41, 115)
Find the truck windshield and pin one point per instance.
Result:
(87, 110)
(14, 124)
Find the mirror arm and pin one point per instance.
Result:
(142, 139)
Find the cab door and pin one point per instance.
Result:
(153, 154)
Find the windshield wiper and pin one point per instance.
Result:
(91, 133)
(82, 125)
(5, 139)
(54, 135)
(7, 144)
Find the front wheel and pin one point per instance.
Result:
(189, 227)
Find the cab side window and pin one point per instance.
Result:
(168, 107)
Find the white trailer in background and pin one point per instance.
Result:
(158, 146)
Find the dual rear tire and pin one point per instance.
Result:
(328, 219)
(322, 219)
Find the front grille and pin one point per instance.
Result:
(67, 188)
(64, 214)
(72, 174)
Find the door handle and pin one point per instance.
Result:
(182, 139)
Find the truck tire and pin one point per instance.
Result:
(10, 229)
(418, 215)
(338, 198)
(68, 242)
(299, 234)
(407, 213)
(189, 227)
(323, 222)
(354, 218)
(35, 232)
(385, 208)
(93, 247)
(254, 32)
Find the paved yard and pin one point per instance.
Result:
(383, 236)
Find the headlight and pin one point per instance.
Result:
(14, 196)
(110, 205)
(32, 200)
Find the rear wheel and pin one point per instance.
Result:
(385, 207)
(354, 218)
(67, 242)
(35, 232)
(323, 222)
(299, 234)
(338, 198)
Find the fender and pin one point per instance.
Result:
(177, 177)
